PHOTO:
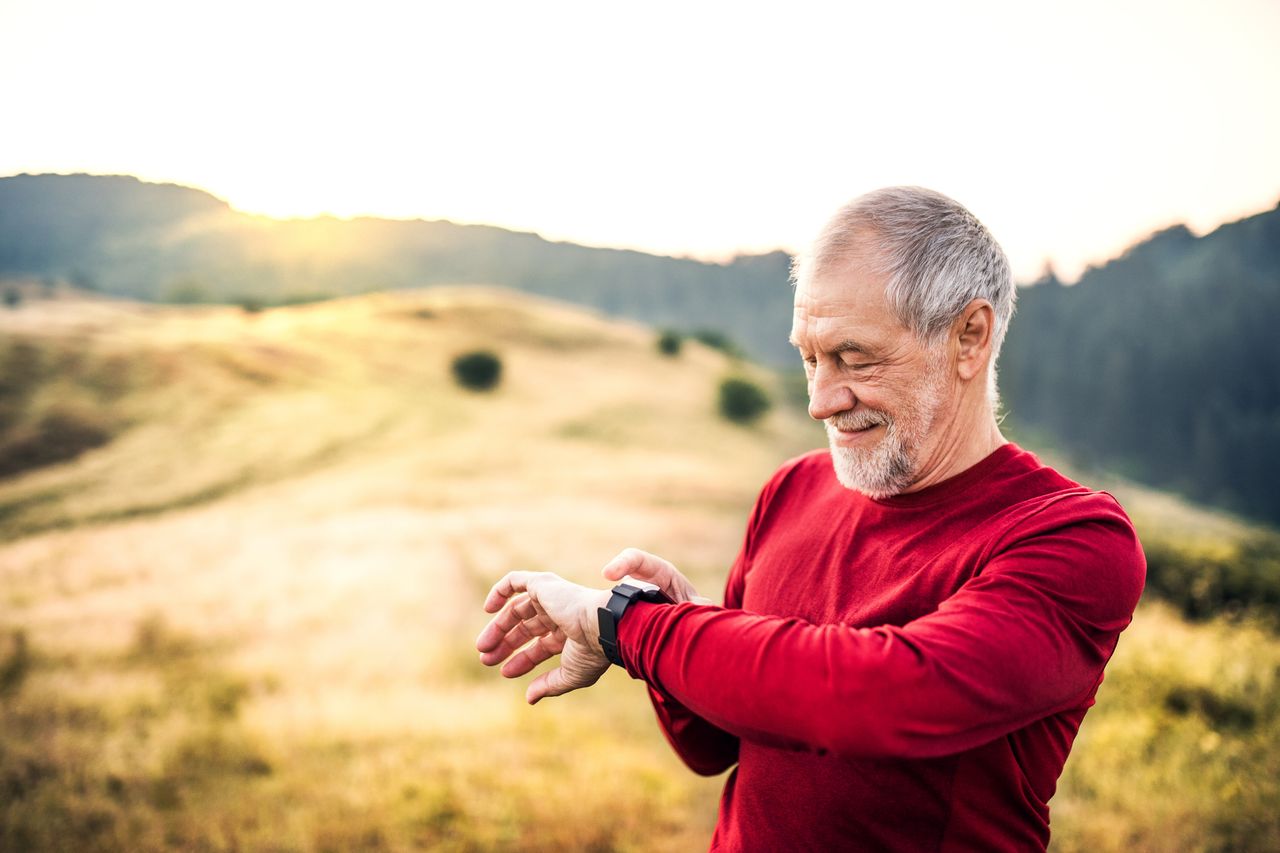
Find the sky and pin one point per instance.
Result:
(701, 129)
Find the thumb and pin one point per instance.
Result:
(641, 565)
(550, 683)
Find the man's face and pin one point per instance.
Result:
(877, 389)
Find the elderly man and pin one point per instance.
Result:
(919, 617)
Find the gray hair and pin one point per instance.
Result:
(938, 257)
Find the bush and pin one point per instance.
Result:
(478, 370)
(669, 343)
(718, 340)
(742, 401)
(1203, 586)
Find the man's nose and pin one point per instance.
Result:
(827, 396)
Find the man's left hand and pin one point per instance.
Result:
(559, 617)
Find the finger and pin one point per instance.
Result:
(514, 626)
(641, 565)
(543, 648)
(515, 612)
(511, 584)
(550, 683)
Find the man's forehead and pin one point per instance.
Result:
(836, 335)
(850, 281)
(842, 305)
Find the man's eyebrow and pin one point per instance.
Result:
(853, 346)
(844, 346)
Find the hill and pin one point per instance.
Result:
(242, 617)
(163, 242)
(277, 555)
(1161, 364)
(1158, 364)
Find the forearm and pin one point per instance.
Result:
(831, 688)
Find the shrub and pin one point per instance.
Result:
(742, 401)
(669, 343)
(478, 370)
(1203, 586)
(718, 340)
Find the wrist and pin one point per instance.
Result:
(591, 619)
(615, 608)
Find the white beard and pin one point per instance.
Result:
(889, 467)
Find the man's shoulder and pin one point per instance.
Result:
(1075, 541)
(1021, 499)
(1037, 489)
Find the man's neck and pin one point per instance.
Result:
(965, 442)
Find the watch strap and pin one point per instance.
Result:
(624, 594)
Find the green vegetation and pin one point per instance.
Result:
(742, 401)
(1162, 364)
(719, 341)
(670, 342)
(1180, 752)
(1243, 581)
(479, 371)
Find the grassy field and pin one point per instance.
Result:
(239, 614)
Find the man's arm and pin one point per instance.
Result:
(1026, 638)
(706, 749)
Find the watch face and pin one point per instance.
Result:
(643, 586)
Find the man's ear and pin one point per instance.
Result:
(973, 330)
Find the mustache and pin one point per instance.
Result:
(857, 420)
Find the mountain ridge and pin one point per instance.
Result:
(1157, 364)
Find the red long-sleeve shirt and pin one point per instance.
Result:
(898, 674)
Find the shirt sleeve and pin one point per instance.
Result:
(1025, 638)
(703, 746)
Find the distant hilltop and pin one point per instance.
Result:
(164, 242)
(1160, 364)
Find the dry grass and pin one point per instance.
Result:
(246, 622)
(249, 619)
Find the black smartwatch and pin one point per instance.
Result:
(611, 614)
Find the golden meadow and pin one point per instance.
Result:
(243, 618)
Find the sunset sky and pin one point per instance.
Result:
(705, 129)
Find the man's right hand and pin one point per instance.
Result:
(644, 566)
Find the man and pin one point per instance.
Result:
(919, 617)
